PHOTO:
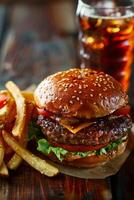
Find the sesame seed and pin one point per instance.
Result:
(71, 85)
(79, 77)
(78, 98)
(105, 82)
(80, 87)
(81, 102)
(76, 113)
(101, 75)
(91, 95)
(65, 108)
(104, 89)
(112, 85)
(85, 73)
(75, 91)
(71, 102)
(80, 92)
(109, 86)
(73, 97)
(85, 86)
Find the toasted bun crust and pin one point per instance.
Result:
(82, 93)
(92, 161)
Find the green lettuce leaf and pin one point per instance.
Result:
(46, 148)
(82, 154)
(109, 147)
(34, 131)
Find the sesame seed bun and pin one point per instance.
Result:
(81, 93)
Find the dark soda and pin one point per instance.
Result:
(106, 44)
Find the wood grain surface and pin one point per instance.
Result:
(28, 184)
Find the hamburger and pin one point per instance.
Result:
(83, 116)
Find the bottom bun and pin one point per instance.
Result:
(93, 160)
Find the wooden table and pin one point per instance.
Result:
(27, 58)
(26, 183)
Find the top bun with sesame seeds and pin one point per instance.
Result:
(81, 93)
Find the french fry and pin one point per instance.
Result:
(20, 98)
(4, 170)
(1, 151)
(26, 94)
(18, 128)
(37, 163)
(8, 110)
(16, 160)
(21, 122)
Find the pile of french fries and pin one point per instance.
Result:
(17, 138)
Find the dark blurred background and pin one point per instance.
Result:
(36, 38)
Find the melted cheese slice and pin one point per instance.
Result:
(76, 128)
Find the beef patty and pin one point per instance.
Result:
(104, 130)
